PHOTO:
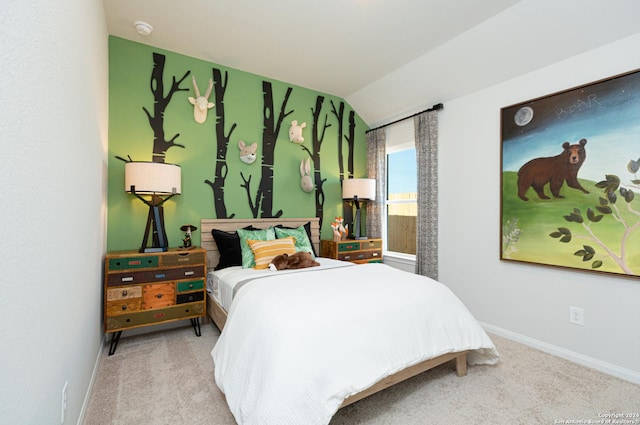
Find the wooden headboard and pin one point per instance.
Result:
(231, 224)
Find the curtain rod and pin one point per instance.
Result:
(435, 107)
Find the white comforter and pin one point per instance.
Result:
(296, 345)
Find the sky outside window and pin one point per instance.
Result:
(402, 175)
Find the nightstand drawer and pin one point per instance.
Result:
(360, 255)
(348, 246)
(371, 244)
(143, 318)
(144, 276)
(124, 306)
(190, 285)
(190, 297)
(158, 295)
(124, 293)
(182, 259)
(127, 263)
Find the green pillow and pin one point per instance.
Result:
(256, 235)
(300, 235)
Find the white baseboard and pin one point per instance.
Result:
(94, 374)
(581, 359)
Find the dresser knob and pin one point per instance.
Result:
(124, 307)
(159, 296)
(124, 293)
(191, 286)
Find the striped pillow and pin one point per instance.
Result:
(265, 251)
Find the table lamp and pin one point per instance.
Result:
(357, 190)
(161, 182)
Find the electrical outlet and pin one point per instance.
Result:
(576, 316)
(64, 401)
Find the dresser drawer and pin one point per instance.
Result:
(145, 317)
(371, 244)
(348, 246)
(360, 255)
(124, 306)
(133, 262)
(158, 295)
(144, 276)
(123, 293)
(189, 297)
(182, 258)
(190, 285)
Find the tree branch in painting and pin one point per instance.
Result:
(608, 206)
(160, 103)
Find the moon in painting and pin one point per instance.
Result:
(523, 116)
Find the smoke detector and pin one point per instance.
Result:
(143, 28)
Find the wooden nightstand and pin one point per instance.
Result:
(143, 289)
(354, 250)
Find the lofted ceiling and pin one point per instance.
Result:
(374, 52)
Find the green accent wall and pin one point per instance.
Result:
(131, 135)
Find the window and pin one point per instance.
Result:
(402, 207)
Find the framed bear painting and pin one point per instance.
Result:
(570, 186)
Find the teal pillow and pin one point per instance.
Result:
(256, 235)
(300, 235)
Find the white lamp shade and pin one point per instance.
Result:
(364, 189)
(152, 177)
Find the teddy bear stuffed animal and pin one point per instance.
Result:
(299, 260)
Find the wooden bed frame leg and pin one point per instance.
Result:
(461, 364)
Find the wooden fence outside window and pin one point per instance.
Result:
(401, 224)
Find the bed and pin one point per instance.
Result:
(297, 345)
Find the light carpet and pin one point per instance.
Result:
(167, 378)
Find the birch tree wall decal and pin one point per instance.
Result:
(349, 138)
(317, 136)
(338, 112)
(222, 140)
(160, 102)
(351, 142)
(264, 196)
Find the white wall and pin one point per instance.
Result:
(528, 302)
(525, 37)
(53, 104)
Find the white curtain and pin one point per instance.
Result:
(376, 153)
(426, 139)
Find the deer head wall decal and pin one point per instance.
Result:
(201, 104)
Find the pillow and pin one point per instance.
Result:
(229, 247)
(307, 228)
(301, 238)
(265, 251)
(255, 234)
